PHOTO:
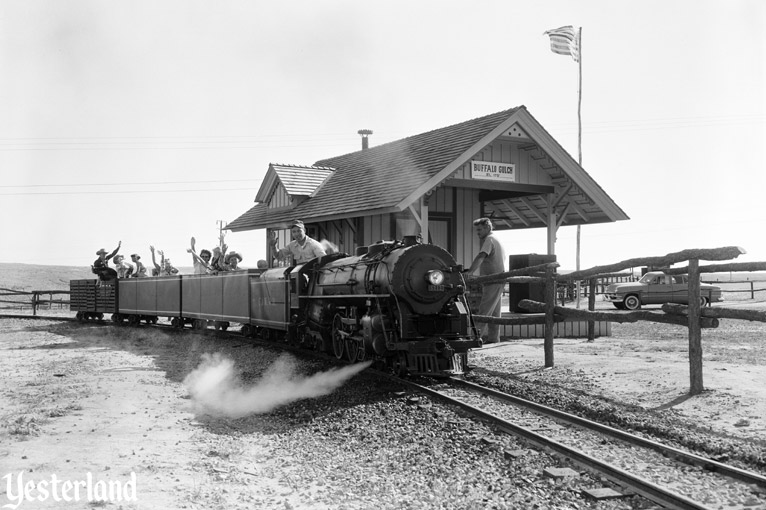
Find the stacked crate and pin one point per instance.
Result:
(105, 297)
(81, 296)
(91, 296)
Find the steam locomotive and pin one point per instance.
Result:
(399, 303)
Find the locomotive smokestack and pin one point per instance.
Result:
(365, 133)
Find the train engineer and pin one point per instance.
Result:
(488, 261)
(302, 248)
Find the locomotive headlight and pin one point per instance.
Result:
(435, 277)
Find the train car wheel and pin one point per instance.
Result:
(216, 325)
(245, 331)
(134, 320)
(100, 316)
(78, 316)
(225, 325)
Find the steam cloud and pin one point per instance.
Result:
(328, 246)
(216, 390)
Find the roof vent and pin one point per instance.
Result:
(365, 133)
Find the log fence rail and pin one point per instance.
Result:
(693, 316)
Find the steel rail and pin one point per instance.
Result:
(669, 451)
(638, 485)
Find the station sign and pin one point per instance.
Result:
(490, 171)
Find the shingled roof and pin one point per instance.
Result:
(378, 179)
(391, 177)
(298, 181)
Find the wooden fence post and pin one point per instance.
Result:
(550, 304)
(695, 330)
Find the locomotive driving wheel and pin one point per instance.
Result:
(400, 365)
(352, 349)
(337, 336)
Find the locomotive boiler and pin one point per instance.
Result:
(399, 302)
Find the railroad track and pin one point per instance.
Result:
(665, 475)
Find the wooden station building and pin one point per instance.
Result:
(505, 166)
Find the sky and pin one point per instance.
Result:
(148, 122)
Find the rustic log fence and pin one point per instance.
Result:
(36, 298)
(693, 316)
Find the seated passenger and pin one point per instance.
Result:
(167, 267)
(101, 265)
(124, 269)
(140, 267)
(157, 268)
(231, 261)
(201, 261)
(217, 261)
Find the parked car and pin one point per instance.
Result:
(656, 287)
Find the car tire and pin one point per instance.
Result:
(632, 302)
(703, 301)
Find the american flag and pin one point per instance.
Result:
(565, 41)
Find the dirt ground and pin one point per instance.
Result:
(734, 400)
(647, 364)
(79, 400)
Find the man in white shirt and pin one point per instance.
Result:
(489, 260)
(302, 248)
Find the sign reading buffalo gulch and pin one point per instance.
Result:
(493, 171)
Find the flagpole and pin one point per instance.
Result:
(579, 145)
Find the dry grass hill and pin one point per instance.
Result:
(28, 277)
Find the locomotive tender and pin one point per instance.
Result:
(401, 303)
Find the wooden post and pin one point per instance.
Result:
(550, 304)
(34, 302)
(591, 307)
(695, 330)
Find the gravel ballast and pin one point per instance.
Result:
(369, 444)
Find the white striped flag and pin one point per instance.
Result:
(565, 41)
